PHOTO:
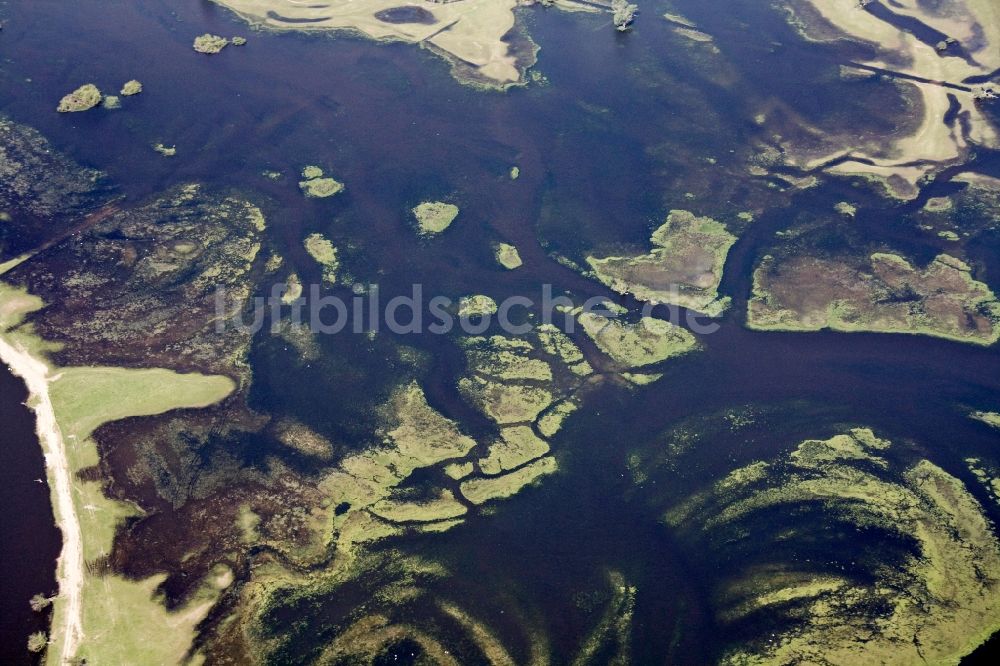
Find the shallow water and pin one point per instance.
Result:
(620, 134)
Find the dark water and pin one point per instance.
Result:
(621, 133)
(30, 539)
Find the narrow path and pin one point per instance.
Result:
(909, 77)
(70, 567)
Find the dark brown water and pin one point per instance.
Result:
(30, 539)
(618, 136)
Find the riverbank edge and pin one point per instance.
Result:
(25, 354)
(67, 624)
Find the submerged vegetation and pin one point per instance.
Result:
(285, 496)
(936, 605)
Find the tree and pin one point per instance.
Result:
(37, 641)
(39, 602)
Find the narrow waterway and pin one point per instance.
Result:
(27, 528)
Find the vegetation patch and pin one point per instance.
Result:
(481, 490)
(130, 88)
(300, 437)
(924, 588)
(316, 186)
(417, 436)
(325, 254)
(508, 256)
(506, 403)
(83, 98)
(887, 294)
(494, 358)
(517, 445)
(433, 217)
(552, 421)
(442, 507)
(210, 44)
(612, 635)
(476, 306)
(647, 342)
(989, 418)
(684, 267)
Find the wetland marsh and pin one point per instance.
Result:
(625, 487)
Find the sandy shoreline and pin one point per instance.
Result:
(67, 620)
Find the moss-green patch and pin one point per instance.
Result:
(647, 342)
(506, 403)
(887, 295)
(442, 507)
(117, 615)
(130, 88)
(127, 622)
(312, 171)
(293, 289)
(989, 418)
(478, 490)
(846, 209)
(859, 444)
(325, 254)
(494, 357)
(433, 217)
(300, 437)
(508, 256)
(935, 604)
(642, 379)
(987, 475)
(552, 421)
(165, 150)
(486, 641)
(321, 188)
(557, 343)
(83, 98)
(247, 521)
(210, 44)
(367, 639)
(37, 641)
(610, 641)
(416, 436)
(939, 205)
(84, 398)
(476, 306)
(15, 304)
(111, 102)
(517, 445)
(684, 267)
(459, 470)
(777, 587)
